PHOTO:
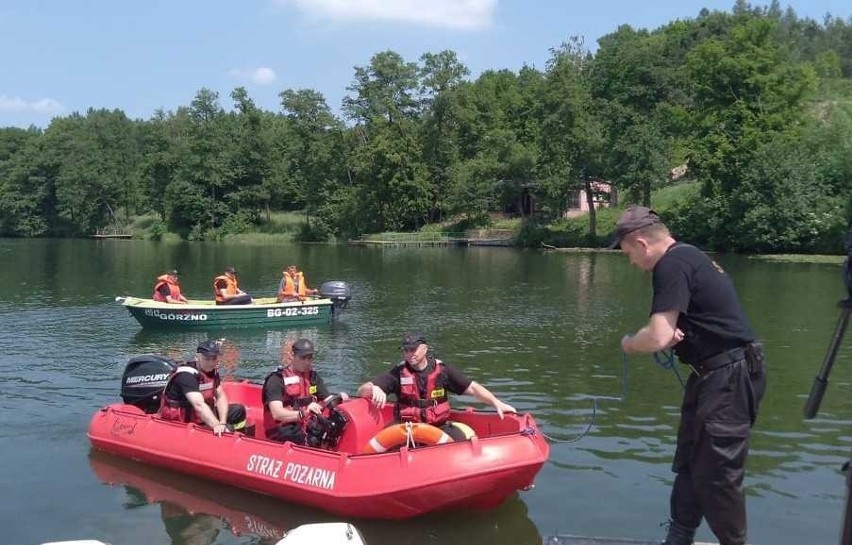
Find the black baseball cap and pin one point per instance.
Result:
(173, 272)
(413, 340)
(633, 219)
(208, 347)
(230, 270)
(303, 347)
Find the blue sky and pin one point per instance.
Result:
(61, 56)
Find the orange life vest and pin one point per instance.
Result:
(433, 407)
(299, 389)
(181, 410)
(174, 289)
(294, 287)
(231, 288)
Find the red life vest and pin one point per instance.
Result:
(299, 389)
(433, 407)
(231, 288)
(174, 289)
(181, 409)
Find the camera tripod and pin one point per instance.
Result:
(815, 398)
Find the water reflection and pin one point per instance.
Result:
(196, 511)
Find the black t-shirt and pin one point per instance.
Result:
(456, 381)
(185, 382)
(688, 281)
(273, 390)
(164, 290)
(220, 284)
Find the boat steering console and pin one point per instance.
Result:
(324, 431)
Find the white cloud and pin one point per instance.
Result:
(18, 105)
(459, 14)
(259, 76)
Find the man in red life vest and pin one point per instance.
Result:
(194, 394)
(167, 289)
(227, 291)
(293, 394)
(421, 384)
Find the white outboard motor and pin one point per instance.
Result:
(339, 293)
(144, 379)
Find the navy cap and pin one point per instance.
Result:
(633, 219)
(208, 347)
(303, 347)
(230, 270)
(413, 339)
(173, 272)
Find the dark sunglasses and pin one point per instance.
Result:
(410, 348)
(305, 356)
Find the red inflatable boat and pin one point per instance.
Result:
(348, 477)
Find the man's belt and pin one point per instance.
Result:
(718, 361)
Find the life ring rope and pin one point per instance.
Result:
(408, 434)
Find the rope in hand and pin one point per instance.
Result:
(663, 358)
(666, 360)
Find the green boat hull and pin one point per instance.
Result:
(207, 315)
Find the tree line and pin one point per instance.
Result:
(756, 101)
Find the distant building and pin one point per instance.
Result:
(603, 196)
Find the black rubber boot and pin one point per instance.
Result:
(679, 534)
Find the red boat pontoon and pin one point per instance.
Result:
(504, 456)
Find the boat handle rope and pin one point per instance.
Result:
(664, 359)
(409, 435)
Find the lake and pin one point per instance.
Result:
(541, 330)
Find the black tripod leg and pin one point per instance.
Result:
(846, 536)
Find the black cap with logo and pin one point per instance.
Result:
(413, 340)
(633, 219)
(208, 347)
(303, 347)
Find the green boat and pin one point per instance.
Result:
(265, 312)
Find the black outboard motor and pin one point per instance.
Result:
(144, 379)
(339, 293)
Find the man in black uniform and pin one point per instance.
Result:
(696, 311)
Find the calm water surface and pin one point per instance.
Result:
(540, 330)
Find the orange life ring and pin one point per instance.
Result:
(398, 434)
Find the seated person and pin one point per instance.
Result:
(421, 385)
(167, 289)
(227, 290)
(293, 394)
(194, 394)
(293, 286)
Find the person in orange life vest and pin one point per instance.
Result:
(293, 394)
(421, 385)
(194, 394)
(167, 289)
(227, 291)
(293, 286)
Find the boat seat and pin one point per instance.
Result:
(364, 421)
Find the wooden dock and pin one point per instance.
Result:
(111, 233)
(481, 237)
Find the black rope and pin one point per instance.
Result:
(595, 399)
(663, 358)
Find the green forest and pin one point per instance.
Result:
(756, 102)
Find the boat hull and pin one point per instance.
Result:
(481, 472)
(207, 315)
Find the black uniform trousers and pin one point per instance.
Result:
(719, 408)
